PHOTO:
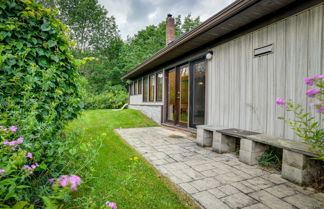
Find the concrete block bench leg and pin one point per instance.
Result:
(223, 143)
(204, 137)
(250, 151)
(299, 168)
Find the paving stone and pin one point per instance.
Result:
(203, 167)
(238, 200)
(242, 174)
(243, 187)
(275, 178)
(209, 201)
(209, 177)
(159, 162)
(217, 193)
(257, 206)
(181, 175)
(270, 200)
(228, 178)
(319, 196)
(303, 201)
(209, 173)
(260, 182)
(193, 174)
(281, 191)
(188, 188)
(228, 189)
(205, 184)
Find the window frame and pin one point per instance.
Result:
(147, 89)
(156, 86)
(140, 86)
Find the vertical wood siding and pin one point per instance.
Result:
(243, 88)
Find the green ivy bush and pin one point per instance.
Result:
(114, 98)
(38, 74)
(39, 91)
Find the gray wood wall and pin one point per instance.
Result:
(242, 88)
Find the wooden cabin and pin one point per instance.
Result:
(228, 71)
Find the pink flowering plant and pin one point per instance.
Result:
(305, 124)
(15, 167)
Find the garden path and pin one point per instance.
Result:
(216, 181)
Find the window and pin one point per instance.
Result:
(159, 86)
(152, 87)
(140, 86)
(145, 89)
(131, 89)
(135, 88)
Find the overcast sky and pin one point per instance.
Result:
(134, 15)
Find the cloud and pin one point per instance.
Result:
(134, 15)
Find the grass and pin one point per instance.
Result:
(129, 183)
(271, 158)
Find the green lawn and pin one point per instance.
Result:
(132, 184)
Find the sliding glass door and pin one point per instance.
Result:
(186, 94)
(197, 94)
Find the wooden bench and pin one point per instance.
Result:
(297, 165)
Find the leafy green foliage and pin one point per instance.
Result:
(272, 157)
(112, 99)
(304, 124)
(39, 90)
(38, 74)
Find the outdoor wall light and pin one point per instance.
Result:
(209, 55)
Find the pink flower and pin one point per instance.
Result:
(320, 110)
(111, 204)
(13, 128)
(280, 101)
(27, 167)
(6, 143)
(319, 76)
(13, 148)
(20, 140)
(2, 170)
(12, 143)
(73, 180)
(309, 81)
(312, 92)
(64, 181)
(29, 155)
(52, 180)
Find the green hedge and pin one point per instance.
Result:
(38, 74)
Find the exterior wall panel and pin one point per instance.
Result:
(243, 88)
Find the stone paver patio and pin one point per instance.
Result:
(216, 181)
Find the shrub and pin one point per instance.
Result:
(39, 90)
(112, 99)
(38, 74)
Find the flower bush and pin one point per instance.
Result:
(305, 125)
(18, 167)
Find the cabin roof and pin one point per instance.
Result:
(234, 16)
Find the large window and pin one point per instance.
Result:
(139, 83)
(159, 86)
(135, 88)
(152, 87)
(131, 89)
(145, 89)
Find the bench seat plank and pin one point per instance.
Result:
(235, 132)
(287, 144)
